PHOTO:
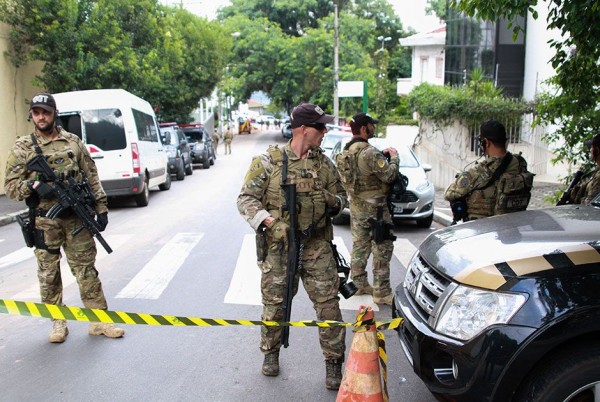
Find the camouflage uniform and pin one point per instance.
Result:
(215, 139)
(587, 189)
(227, 140)
(261, 195)
(372, 178)
(481, 203)
(66, 155)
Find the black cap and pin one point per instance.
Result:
(595, 141)
(43, 100)
(362, 119)
(307, 113)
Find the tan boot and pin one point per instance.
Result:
(108, 330)
(364, 290)
(59, 331)
(383, 299)
(270, 365)
(333, 374)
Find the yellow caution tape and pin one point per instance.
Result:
(119, 317)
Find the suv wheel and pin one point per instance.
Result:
(206, 161)
(572, 374)
(180, 170)
(189, 169)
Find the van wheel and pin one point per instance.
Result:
(142, 199)
(570, 375)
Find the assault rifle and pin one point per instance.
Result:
(294, 250)
(381, 229)
(76, 196)
(565, 199)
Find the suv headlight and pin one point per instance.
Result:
(469, 311)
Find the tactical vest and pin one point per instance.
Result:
(305, 174)
(511, 192)
(354, 182)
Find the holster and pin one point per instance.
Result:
(28, 229)
(381, 230)
(261, 243)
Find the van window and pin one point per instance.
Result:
(104, 128)
(146, 126)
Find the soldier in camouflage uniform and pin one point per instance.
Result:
(320, 194)
(227, 139)
(67, 156)
(589, 187)
(367, 179)
(473, 185)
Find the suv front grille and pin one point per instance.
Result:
(425, 286)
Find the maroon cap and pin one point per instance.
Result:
(307, 113)
(362, 119)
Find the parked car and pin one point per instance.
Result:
(416, 202)
(122, 135)
(507, 308)
(286, 131)
(202, 150)
(331, 138)
(178, 150)
(266, 118)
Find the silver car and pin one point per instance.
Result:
(416, 203)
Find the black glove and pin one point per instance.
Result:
(102, 220)
(44, 190)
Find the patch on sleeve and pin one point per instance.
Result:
(256, 169)
(381, 163)
(463, 182)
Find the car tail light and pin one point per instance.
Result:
(135, 156)
(93, 149)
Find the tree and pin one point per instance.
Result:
(167, 56)
(438, 8)
(573, 107)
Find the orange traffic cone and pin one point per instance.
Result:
(362, 381)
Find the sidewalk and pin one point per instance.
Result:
(9, 209)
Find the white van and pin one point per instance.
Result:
(122, 134)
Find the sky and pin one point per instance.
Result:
(411, 12)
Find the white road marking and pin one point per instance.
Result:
(154, 278)
(33, 291)
(244, 287)
(404, 250)
(16, 257)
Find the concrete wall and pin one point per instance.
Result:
(14, 96)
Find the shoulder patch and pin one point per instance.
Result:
(381, 163)
(256, 169)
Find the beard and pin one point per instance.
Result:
(47, 128)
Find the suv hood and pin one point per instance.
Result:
(487, 253)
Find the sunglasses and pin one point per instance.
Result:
(317, 126)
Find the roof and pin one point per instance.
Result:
(437, 37)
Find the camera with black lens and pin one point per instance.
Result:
(347, 288)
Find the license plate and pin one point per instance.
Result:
(397, 208)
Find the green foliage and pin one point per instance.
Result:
(437, 7)
(167, 56)
(573, 107)
(443, 104)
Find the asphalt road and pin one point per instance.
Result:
(188, 253)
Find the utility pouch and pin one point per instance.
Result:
(261, 243)
(28, 229)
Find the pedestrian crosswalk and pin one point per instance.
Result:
(159, 271)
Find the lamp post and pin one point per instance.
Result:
(336, 68)
(383, 40)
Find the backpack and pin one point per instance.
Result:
(513, 190)
(346, 164)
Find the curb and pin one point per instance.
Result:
(12, 217)
(442, 218)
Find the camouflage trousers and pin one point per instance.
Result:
(321, 281)
(80, 251)
(363, 245)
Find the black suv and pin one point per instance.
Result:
(201, 145)
(507, 308)
(176, 144)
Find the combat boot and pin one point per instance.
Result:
(108, 330)
(364, 290)
(59, 331)
(270, 366)
(333, 374)
(387, 299)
